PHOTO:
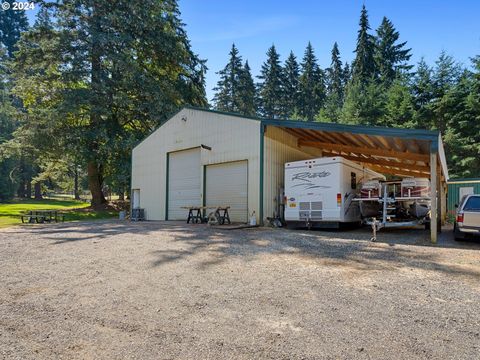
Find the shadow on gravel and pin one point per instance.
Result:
(177, 241)
(320, 248)
(79, 231)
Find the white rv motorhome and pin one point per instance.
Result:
(320, 192)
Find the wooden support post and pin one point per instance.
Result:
(433, 187)
(444, 203)
(439, 198)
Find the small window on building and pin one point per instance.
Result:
(353, 180)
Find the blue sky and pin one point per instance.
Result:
(429, 26)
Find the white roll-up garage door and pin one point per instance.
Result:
(184, 174)
(227, 185)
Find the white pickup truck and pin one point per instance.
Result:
(467, 221)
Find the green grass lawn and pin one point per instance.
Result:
(73, 210)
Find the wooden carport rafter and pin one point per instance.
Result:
(366, 151)
(417, 169)
(400, 152)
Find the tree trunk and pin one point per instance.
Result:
(38, 190)
(28, 192)
(75, 184)
(21, 189)
(121, 195)
(95, 182)
(94, 168)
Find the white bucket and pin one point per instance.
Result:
(253, 219)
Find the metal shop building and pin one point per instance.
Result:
(457, 188)
(200, 157)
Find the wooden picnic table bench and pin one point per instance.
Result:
(195, 214)
(42, 216)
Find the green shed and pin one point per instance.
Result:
(459, 187)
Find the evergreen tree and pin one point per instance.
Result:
(335, 86)
(270, 90)
(226, 96)
(246, 92)
(291, 86)
(469, 128)
(43, 20)
(399, 106)
(422, 90)
(461, 132)
(346, 76)
(445, 76)
(104, 77)
(16, 170)
(364, 104)
(391, 57)
(12, 24)
(311, 86)
(8, 124)
(364, 63)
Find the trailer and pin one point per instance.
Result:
(320, 192)
(395, 204)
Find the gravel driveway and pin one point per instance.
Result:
(166, 290)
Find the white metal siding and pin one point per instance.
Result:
(227, 185)
(280, 148)
(231, 138)
(184, 183)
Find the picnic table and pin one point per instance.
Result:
(42, 216)
(195, 214)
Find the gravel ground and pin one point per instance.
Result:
(161, 290)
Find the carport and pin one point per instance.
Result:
(392, 151)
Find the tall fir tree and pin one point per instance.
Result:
(110, 72)
(227, 90)
(422, 89)
(12, 24)
(391, 57)
(270, 89)
(16, 169)
(335, 88)
(311, 86)
(346, 75)
(335, 77)
(469, 128)
(246, 92)
(364, 63)
(399, 105)
(291, 73)
(8, 124)
(446, 74)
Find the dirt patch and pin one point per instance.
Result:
(169, 290)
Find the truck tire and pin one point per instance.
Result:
(457, 235)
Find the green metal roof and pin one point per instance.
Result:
(420, 134)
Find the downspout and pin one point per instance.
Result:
(262, 145)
